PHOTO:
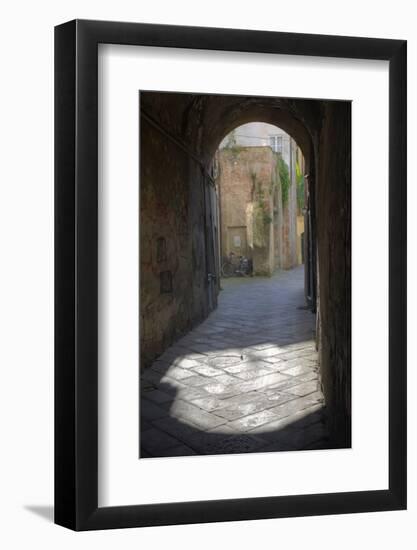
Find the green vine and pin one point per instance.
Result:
(232, 145)
(284, 177)
(261, 217)
(231, 140)
(300, 186)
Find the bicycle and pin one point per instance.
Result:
(240, 268)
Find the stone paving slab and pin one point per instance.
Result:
(295, 405)
(301, 362)
(304, 437)
(263, 382)
(296, 371)
(209, 442)
(154, 441)
(244, 380)
(243, 366)
(235, 444)
(207, 403)
(242, 409)
(174, 372)
(223, 391)
(205, 370)
(192, 394)
(169, 385)
(157, 396)
(202, 419)
(297, 354)
(304, 389)
(196, 380)
(275, 430)
(190, 361)
(253, 372)
(312, 375)
(252, 421)
(227, 379)
(290, 382)
(149, 411)
(273, 398)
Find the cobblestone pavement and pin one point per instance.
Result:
(244, 380)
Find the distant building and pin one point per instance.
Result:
(260, 213)
(260, 134)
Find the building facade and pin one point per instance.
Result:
(260, 209)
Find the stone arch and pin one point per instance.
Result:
(184, 130)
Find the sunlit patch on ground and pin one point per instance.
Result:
(244, 380)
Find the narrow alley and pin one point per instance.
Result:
(244, 380)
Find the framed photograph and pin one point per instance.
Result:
(230, 252)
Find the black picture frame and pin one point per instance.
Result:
(76, 271)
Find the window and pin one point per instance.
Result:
(276, 143)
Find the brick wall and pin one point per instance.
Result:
(254, 222)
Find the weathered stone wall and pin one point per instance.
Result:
(333, 204)
(300, 232)
(173, 249)
(251, 202)
(289, 237)
(235, 190)
(277, 221)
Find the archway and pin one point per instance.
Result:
(179, 136)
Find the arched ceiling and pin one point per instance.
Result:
(202, 121)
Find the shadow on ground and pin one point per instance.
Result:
(45, 512)
(245, 380)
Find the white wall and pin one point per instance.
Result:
(254, 134)
(26, 299)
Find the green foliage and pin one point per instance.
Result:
(232, 145)
(300, 186)
(284, 177)
(261, 217)
(231, 140)
(258, 227)
(266, 218)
